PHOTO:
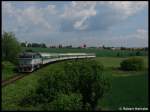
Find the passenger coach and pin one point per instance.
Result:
(29, 61)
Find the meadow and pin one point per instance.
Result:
(8, 69)
(128, 88)
(98, 52)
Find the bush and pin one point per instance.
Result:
(134, 63)
(75, 85)
(63, 102)
(10, 47)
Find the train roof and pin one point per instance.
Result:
(63, 54)
(48, 54)
(43, 54)
(73, 54)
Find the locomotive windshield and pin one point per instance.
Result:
(29, 55)
(25, 56)
(25, 61)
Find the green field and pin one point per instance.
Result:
(98, 52)
(127, 88)
(129, 91)
(7, 70)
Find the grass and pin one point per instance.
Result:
(114, 62)
(7, 70)
(128, 88)
(131, 91)
(13, 93)
(98, 52)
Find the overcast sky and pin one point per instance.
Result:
(95, 23)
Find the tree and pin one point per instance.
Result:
(86, 78)
(43, 45)
(10, 47)
(60, 46)
(123, 48)
(74, 85)
(93, 85)
(72, 101)
(36, 45)
(103, 47)
(23, 44)
(118, 54)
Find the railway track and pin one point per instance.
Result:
(21, 75)
(16, 77)
(12, 79)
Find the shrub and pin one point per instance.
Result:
(75, 85)
(134, 63)
(63, 102)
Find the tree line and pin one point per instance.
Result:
(11, 47)
(42, 45)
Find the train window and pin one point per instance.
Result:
(25, 61)
(36, 56)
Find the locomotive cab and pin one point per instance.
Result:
(29, 61)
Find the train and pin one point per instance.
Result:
(30, 61)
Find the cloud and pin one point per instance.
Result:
(127, 8)
(79, 9)
(29, 17)
(137, 38)
(87, 16)
(77, 13)
(76, 16)
(7, 8)
(141, 34)
(32, 20)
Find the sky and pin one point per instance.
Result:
(94, 23)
